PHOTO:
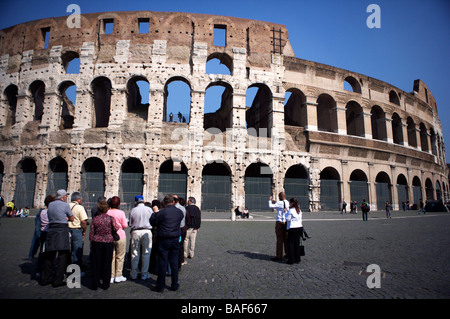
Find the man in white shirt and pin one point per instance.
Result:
(280, 225)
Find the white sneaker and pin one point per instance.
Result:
(120, 279)
(112, 280)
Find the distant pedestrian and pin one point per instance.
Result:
(167, 222)
(141, 238)
(344, 207)
(421, 207)
(388, 208)
(193, 222)
(365, 208)
(295, 230)
(119, 245)
(102, 243)
(245, 213)
(280, 225)
(171, 117)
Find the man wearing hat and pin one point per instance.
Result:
(141, 238)
(57, 241)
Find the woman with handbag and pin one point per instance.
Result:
(295, 230)
(102, 245)
(119, 245)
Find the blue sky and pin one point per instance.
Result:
(412, 43)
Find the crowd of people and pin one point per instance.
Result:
(12, 210)
(162, 237)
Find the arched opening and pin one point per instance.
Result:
(138, 98)
(258, 186)
(438, 191)
(219, 63)
(383, 189)
(25, 183)
(393, 97)
(67, 89)
(177, 106)
(424, 137)
(296, 185)
(417, 190)
(218, 106)
(412, 135)
(402, 190)
(57, 175)
(378, 122)
(359, 188)
(355, 119)
(352, 84)
(397, 129)
(216, 187)
(37, 89)
(326, 113)
(295, 108)
(259, 110)
(429, 190)
(172, 179)
(71, 62)
(330, 189)
(131, 181)
(101, 89)
(11, 95)
(92, 180)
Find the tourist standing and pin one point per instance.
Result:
(77, 227)
(119, 245)
(193, 222)
(295, 230)
(280, 225)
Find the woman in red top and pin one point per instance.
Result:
(102, 245)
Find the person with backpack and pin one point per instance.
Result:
(365, 208)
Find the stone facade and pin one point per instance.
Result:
(369, 131)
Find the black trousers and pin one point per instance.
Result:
(181, 252)
(168, 250)
(102, 254)
(294, 235)
(62, 261)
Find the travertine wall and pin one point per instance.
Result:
(322, 130)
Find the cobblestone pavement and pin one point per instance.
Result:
(232, 260)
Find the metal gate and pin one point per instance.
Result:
(56, 181)
(257, 193)
(383, 195)
(172, 184)
(417, 194)
(402, 191)
(329, 194)
(216, 193)
(298, 188)
(131, 184)
(24, 193)
(359, 191)
(92, 186)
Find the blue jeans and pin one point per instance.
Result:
(77, 245)
(168, 250)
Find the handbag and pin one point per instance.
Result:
(113, 231)
(302, 248)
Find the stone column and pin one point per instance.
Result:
(367, 117)
(341, 118)
(389, 133)
(311, 113)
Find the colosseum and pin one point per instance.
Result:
(321, 133)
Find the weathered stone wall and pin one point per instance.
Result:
(316, 129)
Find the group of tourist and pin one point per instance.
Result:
(162, 236)
(12, 210)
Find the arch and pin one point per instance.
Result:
(355, 119)
(37, 90)
(429, 189)
(417, 190)
(393, 97)
(359, 188)
(101, 90)
(397, 129)
(138, 89)
(177, 106)
(71, 62)
(351, 82)
(383, 189)
(330, 189)
(438, 191)
(57, 175)
(296, 185)
(25, 183)
(10, 94)
(326, 113)
(295, 108)
(258, 186)
(131, 182)
(259, 115)
(218, 106)
(412, 135)
(402, 191)
(92, 180)
(172, 179)
(67, 90)
(423, 137)
(219, 63)
(216, 187)
(378, 121)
